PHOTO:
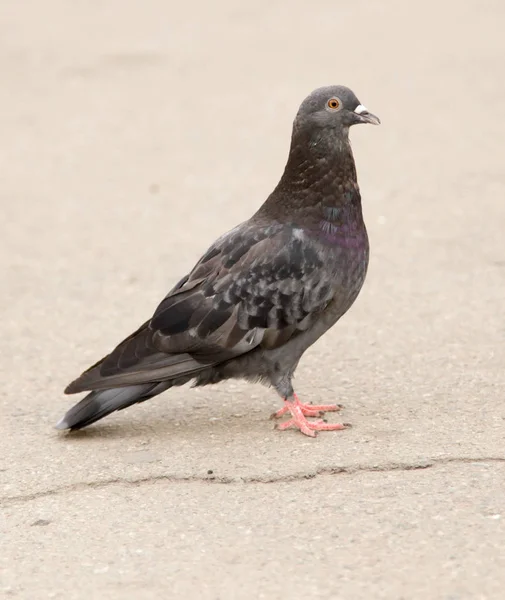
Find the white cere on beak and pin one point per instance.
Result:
(360, 109)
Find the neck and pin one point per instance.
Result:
(320, 175)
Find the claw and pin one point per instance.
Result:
(299, 414)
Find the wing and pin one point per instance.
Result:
(253, 283)
(257, 285)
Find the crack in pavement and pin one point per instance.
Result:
(212, 479)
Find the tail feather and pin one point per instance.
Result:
(100, 403)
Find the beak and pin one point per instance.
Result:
(365, 116)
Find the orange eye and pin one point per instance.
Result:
(334, 103)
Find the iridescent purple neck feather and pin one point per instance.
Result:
(319, 189)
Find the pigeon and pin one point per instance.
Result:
(262, 293)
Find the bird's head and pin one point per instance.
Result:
(334, 108)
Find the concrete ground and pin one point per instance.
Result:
(132, 134)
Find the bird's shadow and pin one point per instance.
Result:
(192, 422)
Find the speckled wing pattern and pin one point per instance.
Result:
(258, 285)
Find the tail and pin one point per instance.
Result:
(100, 403)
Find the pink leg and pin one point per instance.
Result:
(309, 410)
(299, 420)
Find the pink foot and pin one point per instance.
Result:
(299, 420)
(309, 410)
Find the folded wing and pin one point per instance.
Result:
(256, 286)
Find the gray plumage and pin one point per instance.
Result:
(263, 292)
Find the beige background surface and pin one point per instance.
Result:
(133, 134)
